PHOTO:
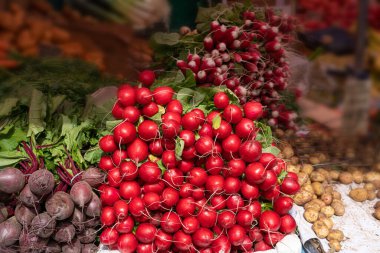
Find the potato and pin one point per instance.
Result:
(378, 194)
(328, 211)
(294, 160)
(339, 209)
(371, 195)
(311, 215)
(336, 195)
(345, 177)
(302, 178)
(327, 198)
(314, 160)
(302, 197)
(280, 133)
(312, 205)
(288, 152)
(327, 221)
(335, 245)
(371, 176)
(376, 183)
(293, 168)
(320, 229)
(358, 177)
(329, 189)
(359, 194)
(318, 188)
(308, 188)
(322, 157)
(377, 205)
(323, 172)
(317, 177)
(369, 187)
(307, 168)
(335, 234)
(376, 214)
(334, 175)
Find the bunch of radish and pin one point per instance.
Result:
(190, 181)
(250, 60)
(46, 219)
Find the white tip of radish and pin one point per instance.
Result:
(248, 22)
(223, 28)
(222, 47)
(272, 122)
(215, 53)
(226, 57)
(224, 68)
(201, 74)
(275, 114)
(236, 44)
(192, 64)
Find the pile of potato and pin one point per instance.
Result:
(29, 25)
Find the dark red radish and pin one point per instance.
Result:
(126, 95)
(121, 209)
(148, 130)
(204, 145)
(236, 235)
(231, 144)
(198, 193)
(163, 95)
(226, 219)
(170, 128)
(190, 121)
(207, 217)
(137, 150)
(282, 205)
(170, 222)
(149, 110)
(262, 246)
(269, 221)
(235, 168)
(156, 148)
(118, 110)
(253, 110)
(185, 207)
(218, 202)
(145, 248)
(118, 156)
(143, 96)
(131, 114)
(221, 100)
(152, 200)
(127, 243)
(149, 172)
(186, 190)
(249, 191)
(108, 216)
(168, 159)
(290, 185)
(106, 163)
(173, 177)
(206, 130)
(232, 185)
(268, 160)
(255, 234)
(244, 218)
(214, 184)
(136, 207)
(147, 77)
(128, 170)
(188, 137)
(235, 202)
(124, 133)
(208, 43)
(232, 114)
(270, 180)
(255, 173)
(182, 241)
(174, 106)
(190, 225)
(107, 144)
(203, 237)
(129, 190)
(272, 238)
(197, 176)
(247, 244)
(272, 194)
(163, 240)
(221, 244)
(288, 224)
(109, 195)
(171, 116)
(145, 232)
(250, 151)
(255, 208)
(169, 197)
(223, 131)
(245, 129)
(214, 164)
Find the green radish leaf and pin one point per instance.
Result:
(266, 206)
(272, 149)
(111, 124)
(216, 121)
(264, 135)
(179, 146)
(161, 166)
(189, 98)
(93, 155)
(10, 137)
(169, 39)
(10, 158)
(282, 175)
(153, 158)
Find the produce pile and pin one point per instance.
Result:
(184, 179)
(245, 51)
(47, 219)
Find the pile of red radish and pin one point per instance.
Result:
(190, 181)
(250, 60)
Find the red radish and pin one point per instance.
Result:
(206, 130)
(271, 194)
(137, 150)
(163, 240)
(249, 191)
(290, 185)
(245, 129)
(207, 217)
(188, 138)
(109, 236)
(174, 106)
(233, 114)
(268, 160)
(208, 43)
(170, 128)
(226, 219)
(163, 95)
(125, 226)
(145, 232)
(203, 237)
(114, 177)
(201, 115)
(121, 209)
(155, 147)
(198, 193)
(149, 172)
(272, 46)
(124, 133)
(182, 241)
(189, 153)
(269, 221)
(126, 95)
(136, 207)
(253, 110)
(262, 246)
(185, 207)
(210, 117)
(129, 190)
(150, 109)
(221, 100)
(231, 144)
(218, 202)
(244, 218)
(282, 205)
(143, 96)
(127, 243)
(270, 179)
(170, 222)
(214, 184)
(108, 217)
(250, 151)
(117, 110)
(131, 114)
(168, 159)
(272, 238)
(171, 116)
(204, 145)
(235, 202)
(145, 248)
(247, 244)
(254, 208)
(147, 77)
(221, 244)
(109, 195)
(190, 225)
(186, 190)
(231, 185)
(147, 130)
(119, 156)
(170, 197)
(214, 164)
(223, 131)
(182, 65)
(128, 170)
(106, 163)
(152, 200)
(107, 144)
(255, 234)
(288, 224)
(157, 187)
(236, 235)
(236, 168)
(197, 177)
(190, 121)
(255, 173)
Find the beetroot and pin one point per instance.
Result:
(78, 220)
(88, 236)
(60, 206)
(10, 231)
(81, 193)
(41, 182)
(93, 176)
(27, 197)
(65, 233)
(93, 207)
(12, 180)
(43, 225)
(24, 215)
(53, 247)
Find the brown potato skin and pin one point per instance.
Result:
(359, 194)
